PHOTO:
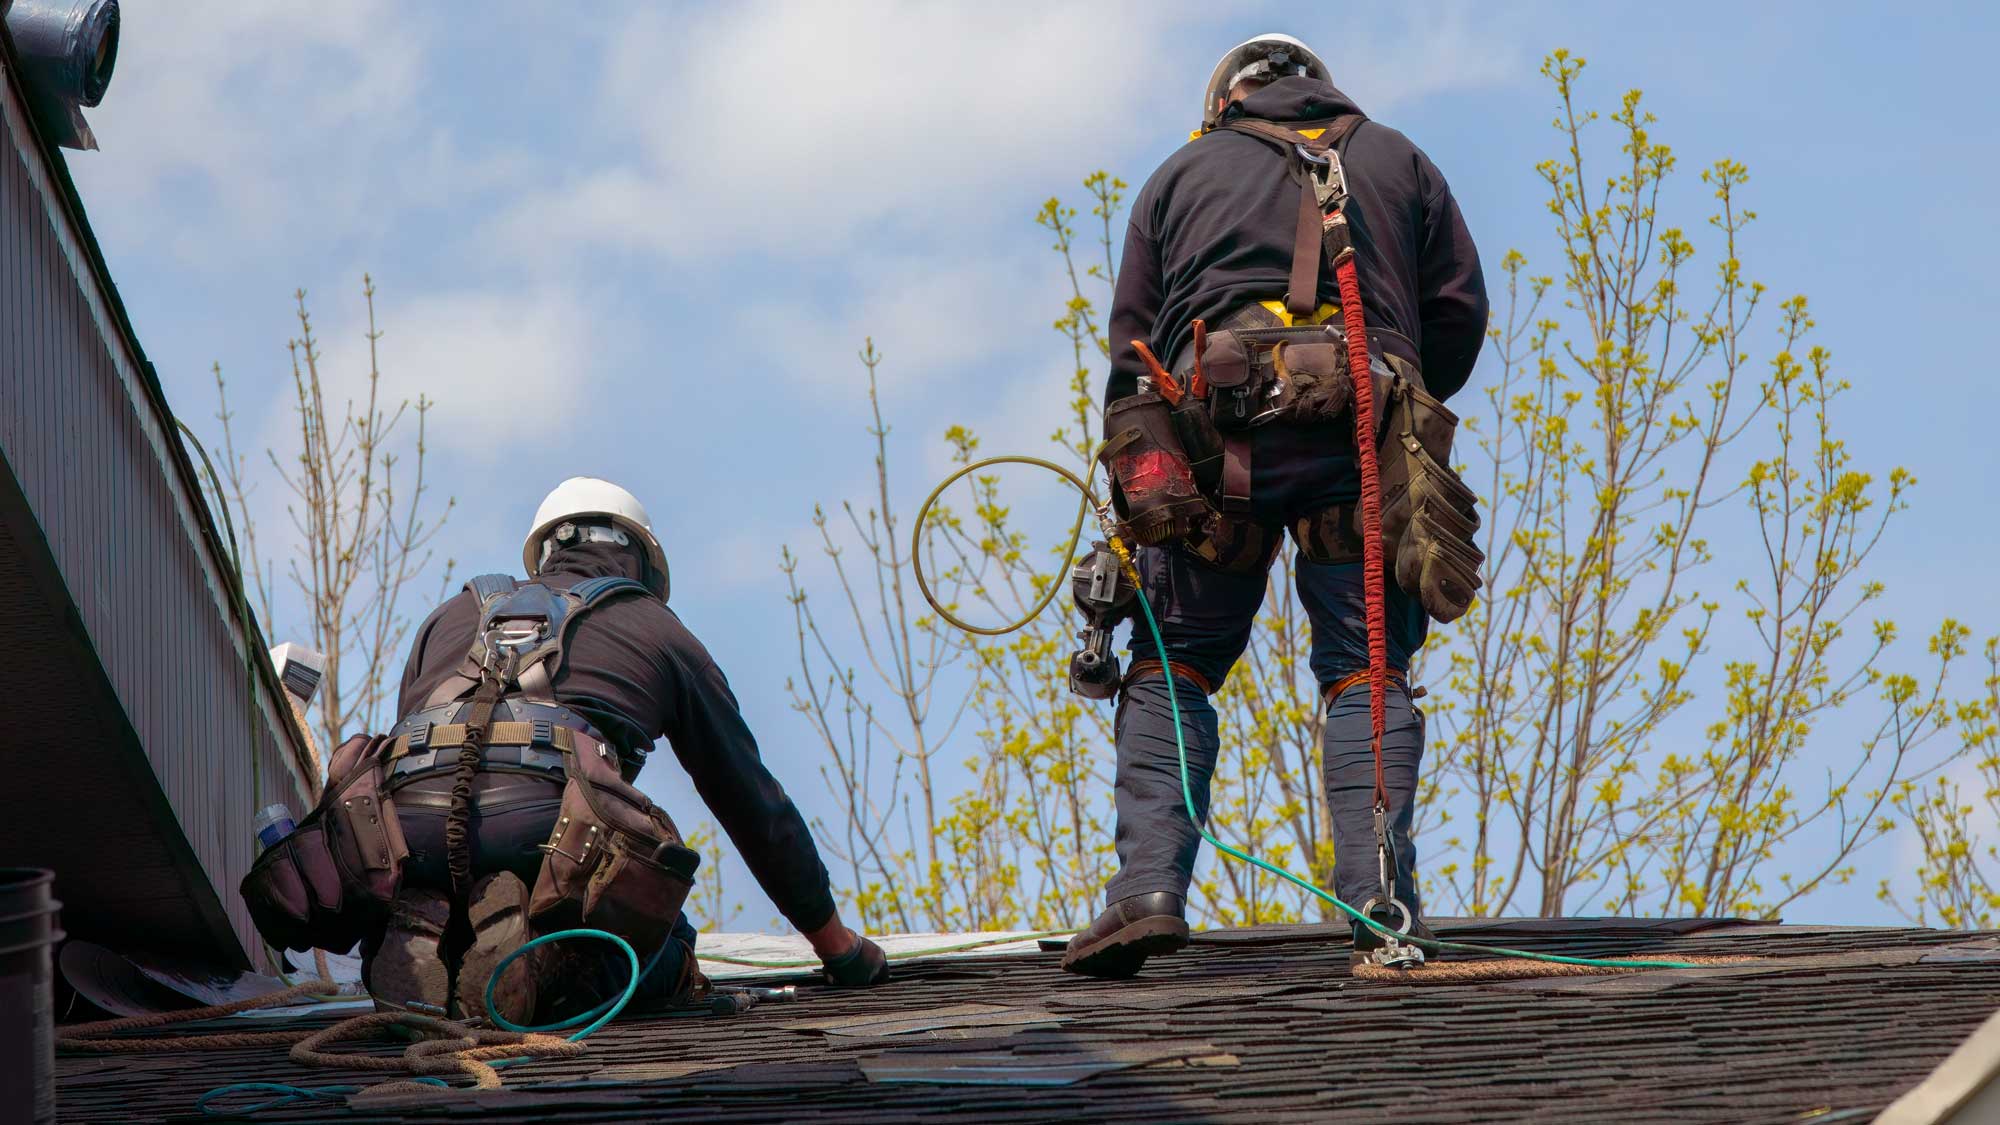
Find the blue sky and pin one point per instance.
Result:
(646, 247)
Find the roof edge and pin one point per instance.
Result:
(1961, 1091)
(224, 582)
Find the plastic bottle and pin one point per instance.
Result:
(274, 823)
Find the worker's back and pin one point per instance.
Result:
(623, 664)
(1213, 230)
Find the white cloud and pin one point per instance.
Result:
(932, 317)
(792, 127)
(263, 113)
(1418, 52)
(806, 129)
(508, 368)
(505, 370)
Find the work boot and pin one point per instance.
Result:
(1130, 930)
(497, 909)
(406, 971)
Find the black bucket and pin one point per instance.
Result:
(28, 933)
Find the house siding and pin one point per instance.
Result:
(118, 613)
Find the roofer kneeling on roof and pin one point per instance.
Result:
(1232, 272)
(500, 808)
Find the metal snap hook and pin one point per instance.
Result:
(1369, 908)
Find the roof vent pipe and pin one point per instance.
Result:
(67, 50)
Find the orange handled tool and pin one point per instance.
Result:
(1170, 387)
(1198, 381)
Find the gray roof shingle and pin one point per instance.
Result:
(1259, 1025)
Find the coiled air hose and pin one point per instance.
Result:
(1090, 504)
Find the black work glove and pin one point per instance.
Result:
(864, 966)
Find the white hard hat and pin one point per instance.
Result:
(1267, 58)
(588, 498)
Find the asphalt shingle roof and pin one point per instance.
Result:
(1259, 1025)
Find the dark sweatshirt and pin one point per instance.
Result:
(1213, 229)
(636, 673)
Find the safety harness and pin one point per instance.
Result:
(515, 654)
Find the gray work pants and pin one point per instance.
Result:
(1206, 615)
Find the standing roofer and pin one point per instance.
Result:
(528, 708)
(1232, 272)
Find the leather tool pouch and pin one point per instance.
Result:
(1200, 442)
(331, 881)
(1262, 375)
(1234, 381)
(615, 862)
(295, 897)
(1152, 481)
(1430, 519)
(361, 824)
(1312, 375)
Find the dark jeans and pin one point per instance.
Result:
(1206, 616)
(511, 815)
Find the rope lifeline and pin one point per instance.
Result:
(446, 1047)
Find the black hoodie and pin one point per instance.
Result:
(636, 673)
(1213, 229)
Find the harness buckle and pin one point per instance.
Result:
(418, 738)
(544, 732)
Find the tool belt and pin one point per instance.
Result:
(1430, 519)
(331, 881)
(614, 860)
(1152, 476)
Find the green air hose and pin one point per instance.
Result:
(1090, 503)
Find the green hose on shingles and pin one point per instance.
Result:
(1082, 485)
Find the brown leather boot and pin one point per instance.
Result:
(497, 908)
(1130, 930)
(406, 972)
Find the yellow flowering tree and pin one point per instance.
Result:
(1652, 491)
